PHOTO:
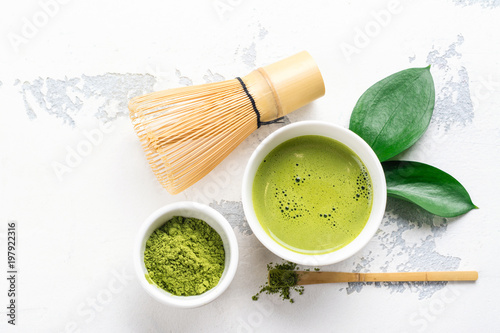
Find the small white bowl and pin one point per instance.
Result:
(216, 221)
(356, 144)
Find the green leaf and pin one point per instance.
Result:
(395, 112)
(427, 186)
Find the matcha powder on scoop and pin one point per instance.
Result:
(185, 257)
(283, 280)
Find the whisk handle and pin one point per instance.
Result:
(285, 86)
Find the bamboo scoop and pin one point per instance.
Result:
(278, 277)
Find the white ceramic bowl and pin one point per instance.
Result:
(356, 144)
(216, 221)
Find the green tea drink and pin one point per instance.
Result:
(312, 194)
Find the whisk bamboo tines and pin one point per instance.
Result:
(188, 131)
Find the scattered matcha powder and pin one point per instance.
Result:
(283, 280)
(185, 257)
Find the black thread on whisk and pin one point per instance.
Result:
(251, 100)
(277, 120)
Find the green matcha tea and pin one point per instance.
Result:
(185, 256)
(312, 194)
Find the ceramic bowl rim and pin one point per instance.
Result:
(355, 143)
(216, 221)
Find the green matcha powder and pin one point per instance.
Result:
(185, 257)
(282, 281)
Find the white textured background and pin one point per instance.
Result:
(68, 68)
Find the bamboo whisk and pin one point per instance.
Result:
(188, 131)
